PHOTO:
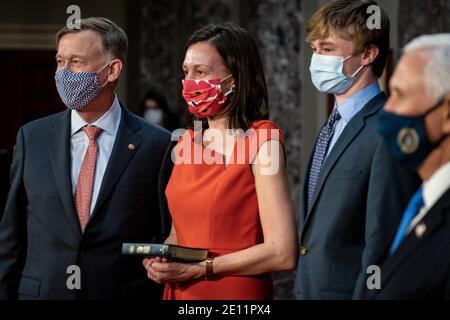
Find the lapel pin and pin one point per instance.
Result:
(131, 146)
(420, 230)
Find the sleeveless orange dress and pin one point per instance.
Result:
(216, 207)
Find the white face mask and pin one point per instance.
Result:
(327, 74)
(154, 116)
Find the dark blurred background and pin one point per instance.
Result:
(157, 33)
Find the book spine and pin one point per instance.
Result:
(145, 249)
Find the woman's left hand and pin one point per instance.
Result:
(166, 272)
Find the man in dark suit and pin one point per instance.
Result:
(84, 181)
(416, 126)
(353, 192)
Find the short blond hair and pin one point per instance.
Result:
(349, 17)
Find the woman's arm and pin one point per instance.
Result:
(279, 249)
(172, 238)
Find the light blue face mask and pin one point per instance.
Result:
(327, 74)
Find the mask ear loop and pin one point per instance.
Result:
(232, 87)
(357, 71)
(345, 59)
(426, 113)
(226, 78)
(436, 106)
(229, 92)
(101, 70)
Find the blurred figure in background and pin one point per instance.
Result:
(154, 108)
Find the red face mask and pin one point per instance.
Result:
(205, 97)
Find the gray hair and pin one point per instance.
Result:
(436, 75)
(114, 39)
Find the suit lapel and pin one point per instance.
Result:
(304, 200)
(433, 220)
(350, 132)
(59, 152)
(125, 146)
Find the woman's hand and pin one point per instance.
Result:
(161, 270)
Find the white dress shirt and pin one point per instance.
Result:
(350, 107)
(433, 189)
(79, 142)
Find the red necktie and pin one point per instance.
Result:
(85, 185)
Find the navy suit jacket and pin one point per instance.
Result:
(359, 200)
(40, 235)
(420, 267)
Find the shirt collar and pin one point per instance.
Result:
(436, 186)
(352, 105)
(109, 122)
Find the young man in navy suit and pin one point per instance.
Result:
(83, 182)
(353, 192)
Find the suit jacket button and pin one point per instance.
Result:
(303, 250)
(83, 253)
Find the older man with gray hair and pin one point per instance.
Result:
(415, 124)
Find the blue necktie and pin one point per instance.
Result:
(320, 151)
(414, 206)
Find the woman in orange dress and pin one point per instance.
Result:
(228, 191)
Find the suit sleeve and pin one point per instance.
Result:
(13, 227)
(447, 287)
(390, 188)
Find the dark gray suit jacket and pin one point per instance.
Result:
(358, 202)
(40, 236)
(420, 267)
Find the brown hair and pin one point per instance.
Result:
(240, 53)
(350, 17)
(114, 39)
